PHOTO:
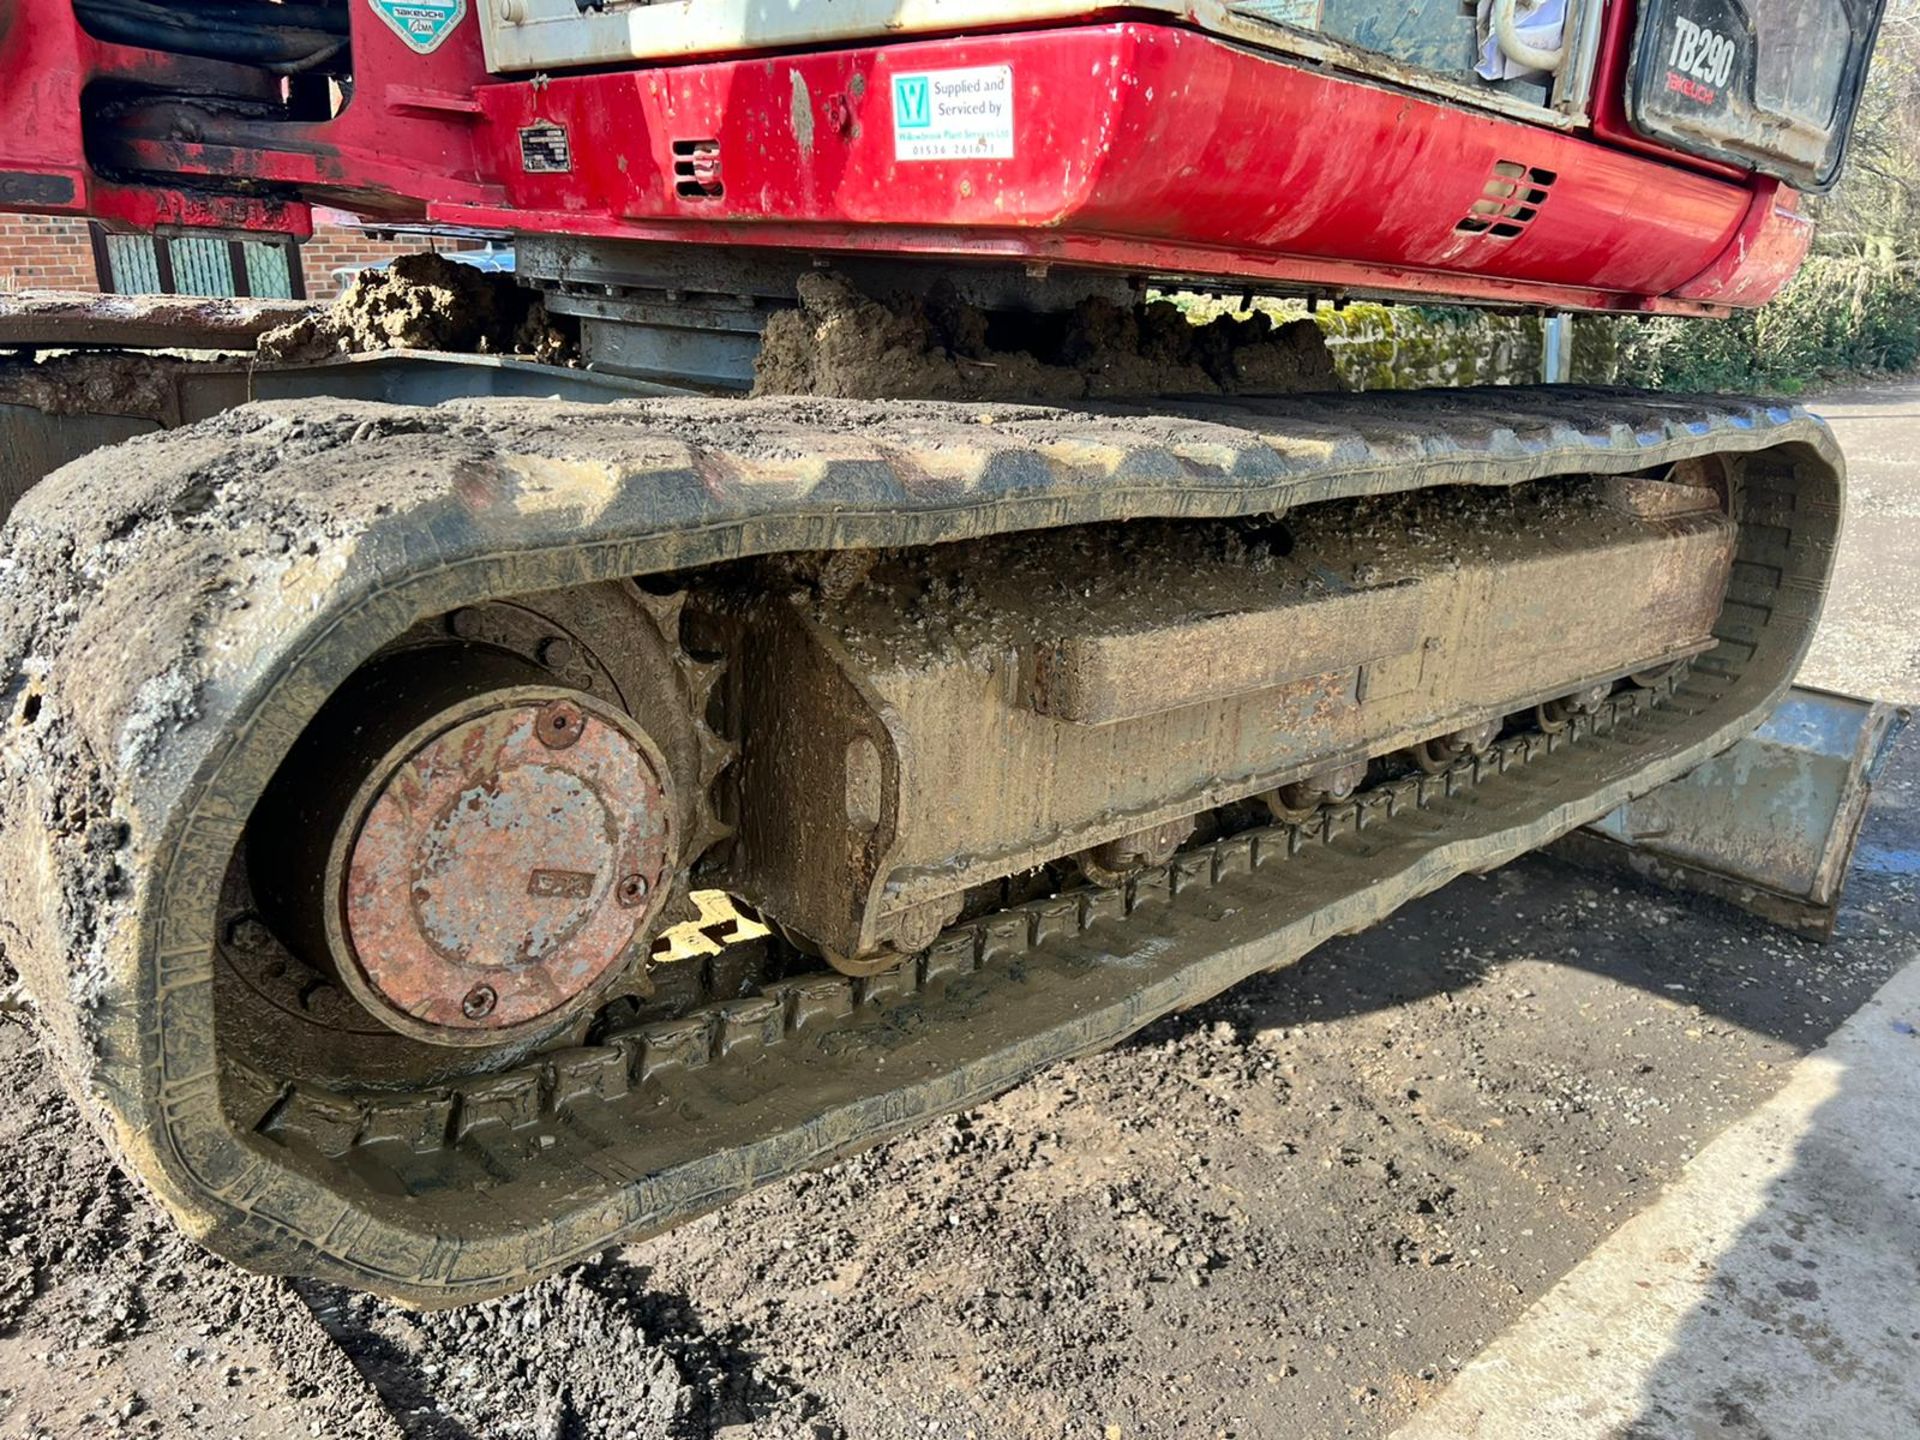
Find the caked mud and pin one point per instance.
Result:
(840, 342)
(106, 383)
(64, 320)
(175, 607)
(426, 302)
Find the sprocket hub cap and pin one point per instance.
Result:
(507, 858)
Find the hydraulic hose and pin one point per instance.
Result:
(286, 39)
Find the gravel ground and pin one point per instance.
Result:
(1294, 1211)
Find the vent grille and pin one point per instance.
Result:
(696, 169)
(1512, 198)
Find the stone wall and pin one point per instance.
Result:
(1411, 347)
(1394, 347)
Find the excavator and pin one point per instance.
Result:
(463, 812)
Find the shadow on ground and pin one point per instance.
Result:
(1811, 1312)
(1774, 1289)
(1721, 959)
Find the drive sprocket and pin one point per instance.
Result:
(476, 843)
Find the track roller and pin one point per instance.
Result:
(1296, 803)
(1444, 751)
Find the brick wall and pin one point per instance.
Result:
(40, 252)
(43, 253)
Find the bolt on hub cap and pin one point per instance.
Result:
(504, 860)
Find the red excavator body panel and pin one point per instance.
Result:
(1147, 148)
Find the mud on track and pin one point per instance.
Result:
(840, 342)
(425, 302)
(1290, 1212)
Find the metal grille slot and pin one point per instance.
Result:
(1511, 199)
(696, 169)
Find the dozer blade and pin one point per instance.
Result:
(175, 614)
(1771, 824)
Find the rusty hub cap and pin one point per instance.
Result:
(505, 861)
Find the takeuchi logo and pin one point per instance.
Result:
(423, 24)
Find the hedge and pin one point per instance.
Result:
(1840, 315)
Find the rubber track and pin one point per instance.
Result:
(230, 576)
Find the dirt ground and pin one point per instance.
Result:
(1295, 1211)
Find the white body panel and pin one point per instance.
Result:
(557, 34)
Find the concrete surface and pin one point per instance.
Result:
(1870, 644)
(1773, 1290)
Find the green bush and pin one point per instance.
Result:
(1839, 315)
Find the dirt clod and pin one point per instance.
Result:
(841, 342)
(426, 302)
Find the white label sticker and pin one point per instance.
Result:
(954, 114)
